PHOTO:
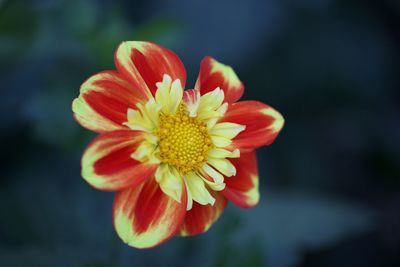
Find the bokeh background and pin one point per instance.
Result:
(329, 184)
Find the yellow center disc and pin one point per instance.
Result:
(184, 141)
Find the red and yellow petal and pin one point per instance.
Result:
(145, 217)
(200, 218)
(263, 124)
(104, 101)
(144, 64)
(107, 163)
(242, 189)
(214, 74)
(192, 99)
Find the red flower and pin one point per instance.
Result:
(174, 157)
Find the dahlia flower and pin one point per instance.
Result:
(173, 157)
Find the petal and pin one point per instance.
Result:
(220, 113)
(220, 141)
(212, 178)
(147, 150)
(197, 190)
(200, 218)
(191, 98)
(107, 163)
(222, 165)
(169, 94)
(144, 64)
(170, 181)
(145, 217)
(210, 104)
(145, 117)
(214, 74)
(262, 122)
(227, 129)
(242, 189)
(208, 171)
(104, 101)
(223, 153)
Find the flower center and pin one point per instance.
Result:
(184, 141)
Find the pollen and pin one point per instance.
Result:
(184, 141)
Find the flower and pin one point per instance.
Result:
(174, 157)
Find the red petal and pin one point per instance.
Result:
(262, 122)
(242, 189)
(145, 217)
(214, 74)
(190, 96)
(192, 99)
(107, 163)
(200, 218)
(144, 64)
(104, 101)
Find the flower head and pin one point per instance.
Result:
(174, 157)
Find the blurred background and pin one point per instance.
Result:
(330, 184)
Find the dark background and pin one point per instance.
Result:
(329, 184)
